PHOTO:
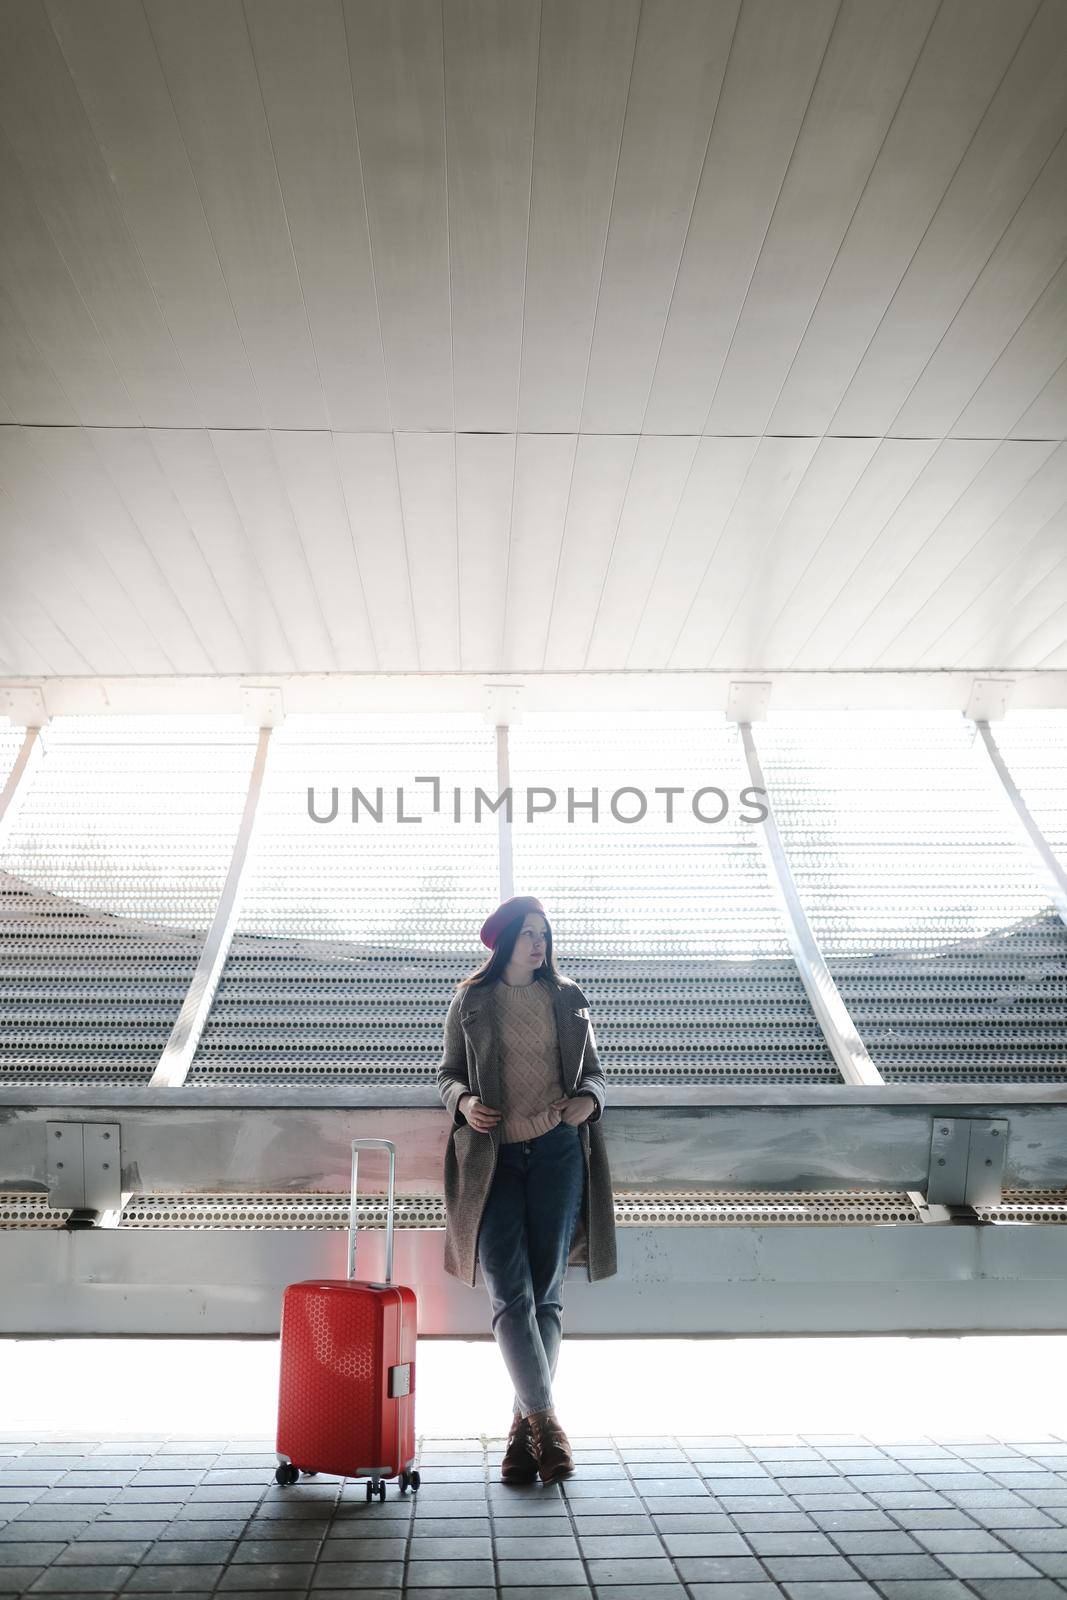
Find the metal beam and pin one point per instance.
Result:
(180, 1048)
(671, 1282)
(1055, 876)
(658, 1140)
(401, 693)
(839, 1030)
(18, 782)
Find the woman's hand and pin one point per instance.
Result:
(575, 1109)
(481, 1118)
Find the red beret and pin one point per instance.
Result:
(508, 911)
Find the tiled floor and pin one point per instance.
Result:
(812, 1518)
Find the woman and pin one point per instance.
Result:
(527, 1185)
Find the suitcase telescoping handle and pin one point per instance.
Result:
(357, 1146)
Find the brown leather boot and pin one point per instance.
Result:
(519, 1464)
(550, 1446)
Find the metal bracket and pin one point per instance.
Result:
(966, 1161)
(262, 704)
(502, 703)
(747, 701)
(24, 705)
(988, 700)
(84, 1168)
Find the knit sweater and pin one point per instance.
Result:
(531, 1074)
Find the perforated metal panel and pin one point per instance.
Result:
(685, 1208)
(11, 739)
(109, 877)
(927, 904)
(25, 1210)
(669, 925)
(352, 934)
(1034, 745)
(679, 1208)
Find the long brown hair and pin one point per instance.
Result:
(493, 967)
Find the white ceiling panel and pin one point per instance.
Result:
(776, 473)
(302, 65)
(114, 67)
(46, 126)
(1027, 259)
(1020, 130)
(679, 62)
(128, 458)
(32, 390)
(869, 60)
(968, 48)
(1001, 604)
(478, 336)
(52, 503)
(194, 474)
(99, 515)
(906, 489)
(311, 481)
(1025, 531)
(485, 480)
(368, 467)
(586, 60)
(918, 546)
(35, 637)
(657, 482)
(1027, 366)
(490, 70)
(779, 564)
(259, 497)
(544, 471)
(777, 50)
(600, 483)
(1047, 417)
(206, 54)
(426, 468)
(396, 58)
(44, 296)
(1028, 627)
(719, 472)
(990, 499)
(36, 572)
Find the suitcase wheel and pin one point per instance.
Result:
(409, 1479)
(375, 1488)
(287, 1473)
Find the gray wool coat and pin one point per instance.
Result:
(471, 1064)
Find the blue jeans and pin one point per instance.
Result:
(523, 1244)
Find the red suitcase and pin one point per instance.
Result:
(346, 1397)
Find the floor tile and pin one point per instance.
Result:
(263, 1576)
(542, 1574)
(90, 1580)
(442, 1574)
(913, 1519)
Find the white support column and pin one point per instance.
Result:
(839, 1030)
(18, 783)
(1054, 874)
(180, 1048)
(503, 781)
